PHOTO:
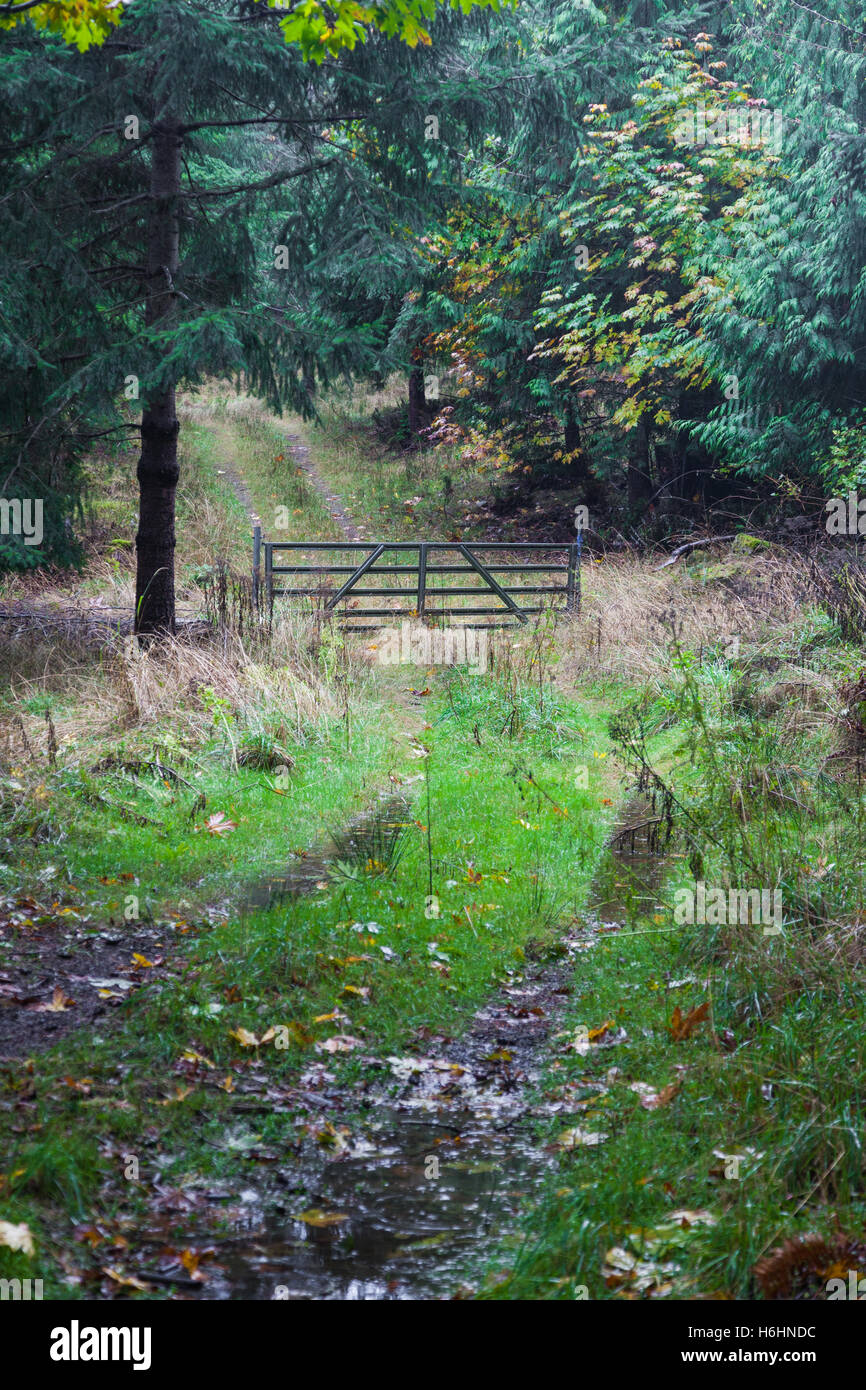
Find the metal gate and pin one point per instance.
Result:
(335, 580)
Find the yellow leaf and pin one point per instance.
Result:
(192, 1056)
(596, 1033)
(314, 1216)
(59, 1003)
(244, 1037)
(361, 991)
(128, 1283)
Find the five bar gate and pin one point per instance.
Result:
(331, 588)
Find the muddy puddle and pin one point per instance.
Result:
(433, 1176)
(375, 837)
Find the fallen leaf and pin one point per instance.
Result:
(59, 1003)
(654, 1100)
(244, 1037)
(596, 1033)
(341, 1042)
(190, 1260)
(16, 1237)
(687, 1218)
(190, 1055)
(621, 1268)
(683, 1025)
(314, 1216)
(128, 1283)
(579, 1138)
(219, 824)
(180, 1093)
(362, 991)
(299, 1034)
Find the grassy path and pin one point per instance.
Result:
(692, 1097)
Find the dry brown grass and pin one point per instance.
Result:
(99, 685)
(631, 611)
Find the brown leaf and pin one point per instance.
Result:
(683, 1025)
(59, 1003)
(219, 824)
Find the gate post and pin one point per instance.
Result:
(572, 592)
(422, 578)
(257, 559)
(269, 579)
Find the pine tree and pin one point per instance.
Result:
(147, 239)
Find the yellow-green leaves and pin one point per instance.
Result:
(319, 29)
(323, 30)
(82, 23)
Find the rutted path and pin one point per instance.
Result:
(301, 454)
(440, 1155)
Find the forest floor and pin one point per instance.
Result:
(325, 977)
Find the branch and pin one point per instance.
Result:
(272, 182)
(692, 545)
(19, 9)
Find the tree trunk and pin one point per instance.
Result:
(417, 399)
(158, 466)
(639, 480)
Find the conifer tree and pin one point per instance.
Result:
(136, 214)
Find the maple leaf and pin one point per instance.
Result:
(654, 1100)
(16, 1237)
(341, 1042)
(219, 824)
(59, 1003)
(683, 1025)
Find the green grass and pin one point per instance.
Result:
(773, 1073)
(513, 846)
(762, 779)
(256, 447)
